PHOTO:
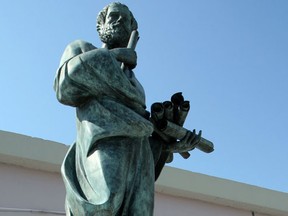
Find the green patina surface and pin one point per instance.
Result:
(112, 166)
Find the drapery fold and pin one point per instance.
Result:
(112, 132)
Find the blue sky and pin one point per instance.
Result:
(229, 58)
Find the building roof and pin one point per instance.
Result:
(46, 155)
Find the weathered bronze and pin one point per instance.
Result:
(112, 166)
(168, 118)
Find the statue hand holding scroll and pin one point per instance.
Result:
(168, 118)
(187, 143)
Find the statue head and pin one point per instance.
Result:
(115, 24)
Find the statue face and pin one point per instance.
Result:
(117, 26)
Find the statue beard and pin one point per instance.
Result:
(114, 35)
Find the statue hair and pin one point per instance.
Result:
(103, 13)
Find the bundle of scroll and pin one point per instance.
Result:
(169, 117)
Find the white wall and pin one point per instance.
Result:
(31, 185)
(22, 188)
(171, 206)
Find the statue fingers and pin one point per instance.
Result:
(198, 137)
(190, 136)
(194, 139)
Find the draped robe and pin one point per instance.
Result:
(109, 170)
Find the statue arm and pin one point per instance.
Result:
(126, 55)
(95, 73)
(69, 91)
(82, 76)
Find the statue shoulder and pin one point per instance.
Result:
(75, 48)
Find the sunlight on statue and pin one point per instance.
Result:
(120, 149)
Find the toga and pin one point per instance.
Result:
(109, 170)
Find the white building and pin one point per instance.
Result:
(30, 184)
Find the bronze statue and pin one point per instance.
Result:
(112, 166)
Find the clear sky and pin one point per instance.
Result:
(229, 58)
